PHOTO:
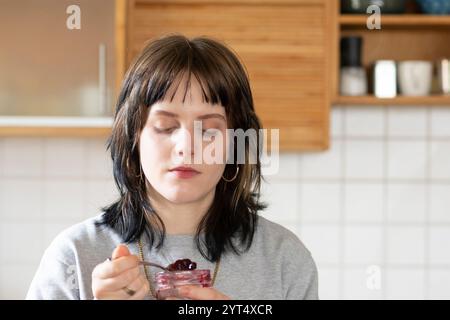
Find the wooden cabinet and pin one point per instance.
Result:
(56, 80)
(409, 36)
(284, 44)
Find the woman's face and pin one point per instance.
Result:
(167, 142)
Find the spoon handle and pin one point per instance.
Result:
(151, 264)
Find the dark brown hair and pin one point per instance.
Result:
(224, 81)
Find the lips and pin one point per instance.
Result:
(184, 169)
(184, 172)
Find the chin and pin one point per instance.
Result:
(182, 196)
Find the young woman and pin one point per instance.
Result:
(172, 207)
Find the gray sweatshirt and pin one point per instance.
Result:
(277, 265)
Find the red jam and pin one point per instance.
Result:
(167, 281)
(182, 265)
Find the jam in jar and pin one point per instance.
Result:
(166, 282)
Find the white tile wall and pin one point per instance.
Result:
(439, 245)
(329, 283)
(362, 282)
(405, 284)
(14, 287)
(59, 163)
(98, 160)
(364, 122)
(320, 202)
(364, 202)
(374, 210)
(46, 185)
(63, 199)
(440, 118)
(336, 122)
(323, 242)
(21, 199)
(21, 242)
(23, 157)
(326, 165)
(364, 159)
(406, 245)
(440, 203)
(407, 159)
(407, 122)
(439, 283)
(282, 199)
(363, 245)
(406, 202)
(440, 159)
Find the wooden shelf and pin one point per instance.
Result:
(402, 37)
(404, 20)
(27, 126)
(56, 132)
(438, 100)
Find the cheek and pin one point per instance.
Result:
(154, 153)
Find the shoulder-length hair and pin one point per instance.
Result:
(223, 80)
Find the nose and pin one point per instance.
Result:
(184, 145)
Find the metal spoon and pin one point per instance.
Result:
(151, 264)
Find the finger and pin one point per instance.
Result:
(120, 281)
(142, 292)
(200, 293)
(136, 285)
(121, 294)
(111, 269)
(110, 295)
(120, 251)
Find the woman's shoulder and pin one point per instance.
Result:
(274, 236)
(83, 238)
(286, 251)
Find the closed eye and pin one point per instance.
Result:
(164, 130)
(210, 132)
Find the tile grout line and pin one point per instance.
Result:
(342, 207)
(2, 156)
(384, 221)
(2, 209)
(337, 180)
(42, 189)
(85, 178)
(393, 137)
(427, 206)
(298, 216)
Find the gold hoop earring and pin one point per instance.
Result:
(234, 177)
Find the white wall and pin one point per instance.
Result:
(378, 200)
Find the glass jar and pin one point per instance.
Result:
(166, 282)
(353, 81)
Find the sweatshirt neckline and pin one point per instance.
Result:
(178, 240)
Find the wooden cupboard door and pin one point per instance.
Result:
(283, 44)
(50, 70)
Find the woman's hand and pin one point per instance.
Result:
(200, 293)
(119, 278)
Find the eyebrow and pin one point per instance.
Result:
(202, 117)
